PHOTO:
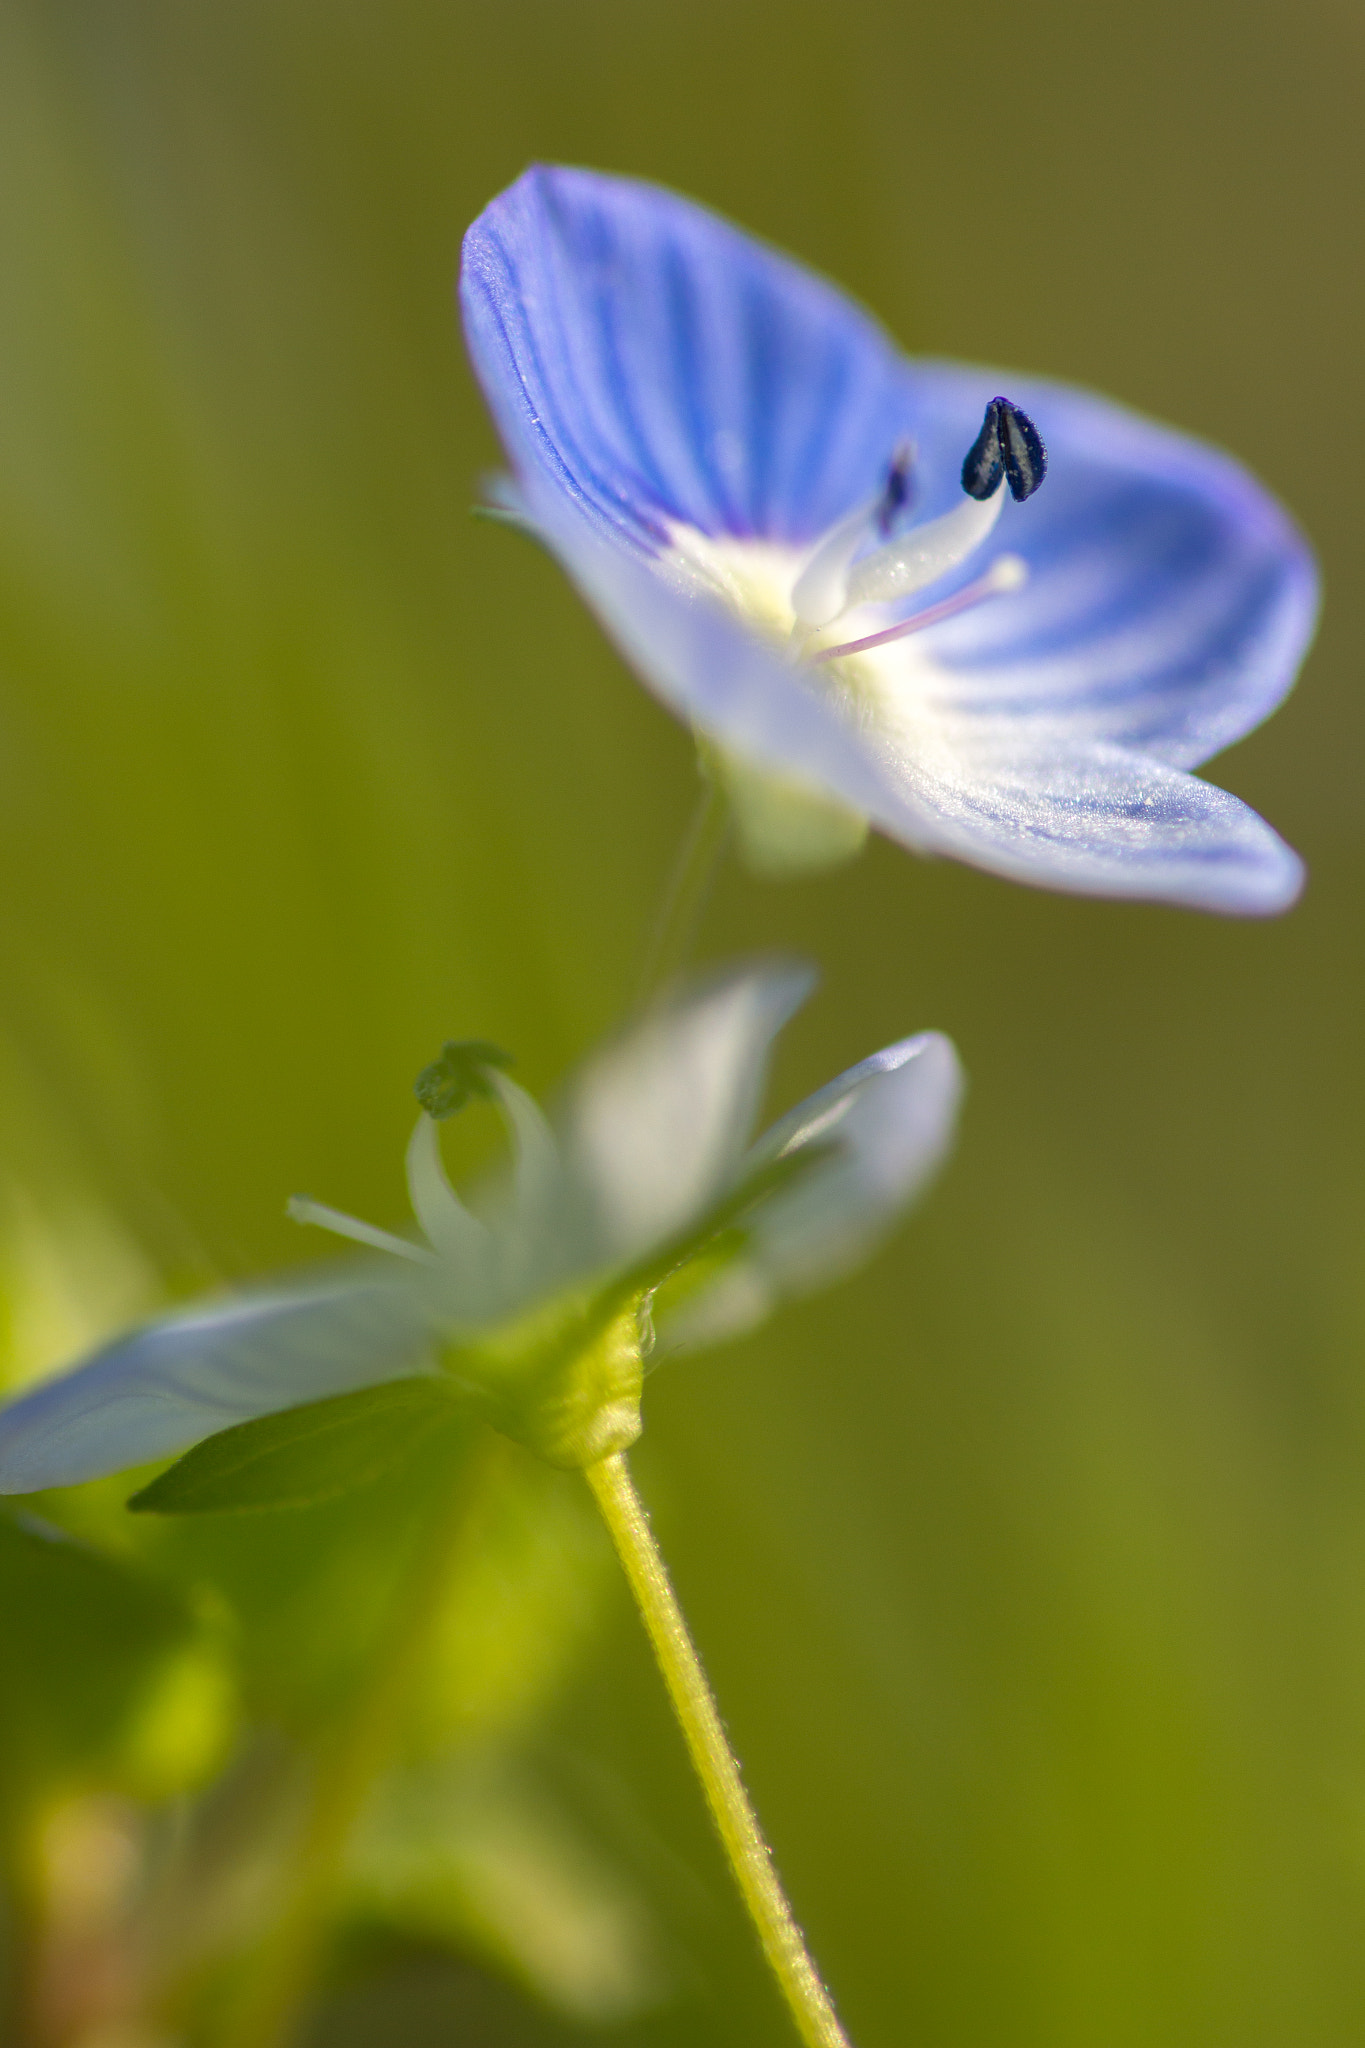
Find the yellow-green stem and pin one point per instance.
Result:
(267, 2013)
(694, 1704)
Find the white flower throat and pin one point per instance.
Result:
(826, 607)
(812, 596)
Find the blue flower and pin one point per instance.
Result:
(748, 482)
(642, 1215)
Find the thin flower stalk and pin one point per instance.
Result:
(685, 898)
(750, 1859)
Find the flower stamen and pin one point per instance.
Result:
(922, 555)
(820, 592)
(896, 490)
(1006, 573)
(838, 579)
(303, 1209)
(1008, 445)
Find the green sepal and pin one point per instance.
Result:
(566, 1379)
(784, 825)
(580, 1399)
(718, 1236)
(507, 516)
(695, 1274)
(302, 1456)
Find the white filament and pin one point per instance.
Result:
(820, 592)
(303, 1209)
(925, 553)
(539, 1174)
(455, 1233)
(1006, 573)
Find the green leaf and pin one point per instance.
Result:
(303, 1455)
(720, 1235)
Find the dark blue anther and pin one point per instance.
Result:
(896, 490)
(1008, 445)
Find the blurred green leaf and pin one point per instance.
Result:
(311, 1592)
(302, 1456)
(522, 1603)
(86, 1634)
(474, 1853)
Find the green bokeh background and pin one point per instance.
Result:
(1030, 1565)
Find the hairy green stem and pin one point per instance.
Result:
(694, 1704)
(684, 900)
(268, 2011)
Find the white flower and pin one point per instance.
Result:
(643, 1199)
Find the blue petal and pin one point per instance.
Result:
(655, 364)
(1170, 598)
(890, 1122)
(1039, 801)
(1046, 807)
(647, 363)
(651, 363)
(179, 1380)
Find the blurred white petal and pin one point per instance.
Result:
(655, 1126)
(538, 1175)
(459, 1237)
(190, 1375)
(890, 1122)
